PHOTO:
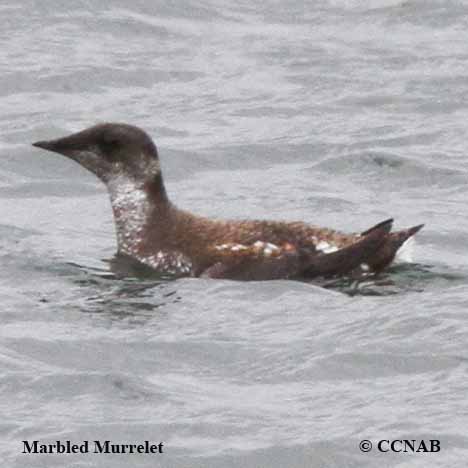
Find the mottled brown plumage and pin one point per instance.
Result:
(154, 232)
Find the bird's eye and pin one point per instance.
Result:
(109, 145)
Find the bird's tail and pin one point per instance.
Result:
(388, 250)
(347, 259)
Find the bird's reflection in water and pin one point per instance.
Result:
(126, 291)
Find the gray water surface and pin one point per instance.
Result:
(340, 113)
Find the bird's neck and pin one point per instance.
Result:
(135, 206)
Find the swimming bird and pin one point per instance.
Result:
(153, 232)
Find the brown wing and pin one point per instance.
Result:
(261, 262)
(308, 252)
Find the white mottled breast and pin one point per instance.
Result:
(131, 209)
(170, 263)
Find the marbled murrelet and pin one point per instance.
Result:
(155, 233)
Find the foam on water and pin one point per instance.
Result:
(405, 253)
